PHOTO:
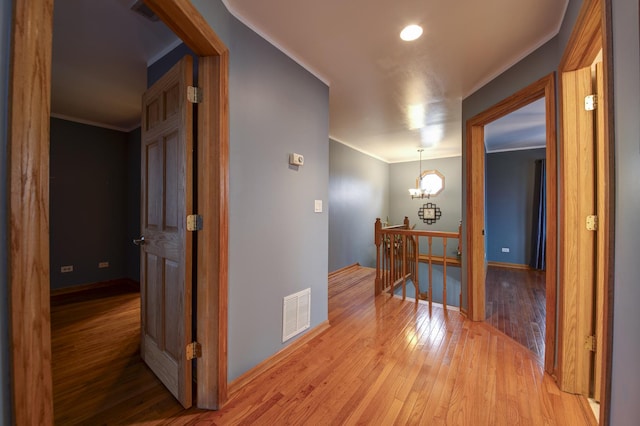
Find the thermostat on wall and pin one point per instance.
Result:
(296, 159)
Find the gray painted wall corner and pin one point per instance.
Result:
(402, 176)
(625, 378)
(277, 244)
(358, 194)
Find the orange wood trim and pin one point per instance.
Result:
(475, 221)
(507, 265)
(28, 228)
(586, 38)
(552, 222)
(213, 168)
(439, 260)
(544, 87)
(419, 233)
(345, 270)
(211, 272)
(188, 24)
(236, 385)
(592, 31)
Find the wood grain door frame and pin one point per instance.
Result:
(28, 202)
(592, 33)
(475, 150)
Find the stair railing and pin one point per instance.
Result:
(398, 258)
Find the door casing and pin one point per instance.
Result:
(28, 183)
(476, 271)
(592, 34)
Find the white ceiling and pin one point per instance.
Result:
(99, 64)
(377, 81)
(522, 129)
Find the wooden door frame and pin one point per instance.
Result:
(28, 204)
(592, 33)
(475, 149)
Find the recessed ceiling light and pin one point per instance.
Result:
(411, 32)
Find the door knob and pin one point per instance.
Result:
(139, 241)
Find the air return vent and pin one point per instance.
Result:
(296, 314)
(142, 9)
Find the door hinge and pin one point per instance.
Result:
(590, 102)
(592, 223)
(194, 94)
(590, 343)
(194, 350)
(194, 222)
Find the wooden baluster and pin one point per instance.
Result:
(387, 253)
(377, 242)
(444, 273)
(392, 260)
(460, 259)
(429, 291)
(404, 266)
(416, 265)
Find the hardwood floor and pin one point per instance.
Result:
(516, 305)
(382, 361)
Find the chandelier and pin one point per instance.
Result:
(429, 183)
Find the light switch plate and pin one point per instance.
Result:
(318, 206)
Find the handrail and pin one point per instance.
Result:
(398, 257)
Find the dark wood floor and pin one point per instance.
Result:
(516, 305)
(382, 361)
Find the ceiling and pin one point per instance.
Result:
(524, 128)
(99, 70)
(387, 97)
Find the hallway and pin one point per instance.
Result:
(382, 361)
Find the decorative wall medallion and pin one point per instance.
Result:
(429, 213)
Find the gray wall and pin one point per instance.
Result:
(510, 179)
(88, 212)
(358, 194)
(132, 252)
(277, 244)
(402, 176)
(5, 37)
(625, 378)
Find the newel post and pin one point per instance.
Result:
(378, 241)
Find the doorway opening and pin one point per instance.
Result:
(476, 221)
(516, 225)
(29, 284)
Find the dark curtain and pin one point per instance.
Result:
(539, 228)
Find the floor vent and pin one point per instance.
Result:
(296, 314)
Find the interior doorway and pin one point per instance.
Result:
(476, 220)
(29, 182)
(516, 225)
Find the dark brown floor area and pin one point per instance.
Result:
(516, 305)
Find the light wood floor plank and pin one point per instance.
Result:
(382, 361)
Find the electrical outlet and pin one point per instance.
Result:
(65, 269)
(505, 249)
(103, 265)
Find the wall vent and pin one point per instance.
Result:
(142, 9)
(296, 314)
